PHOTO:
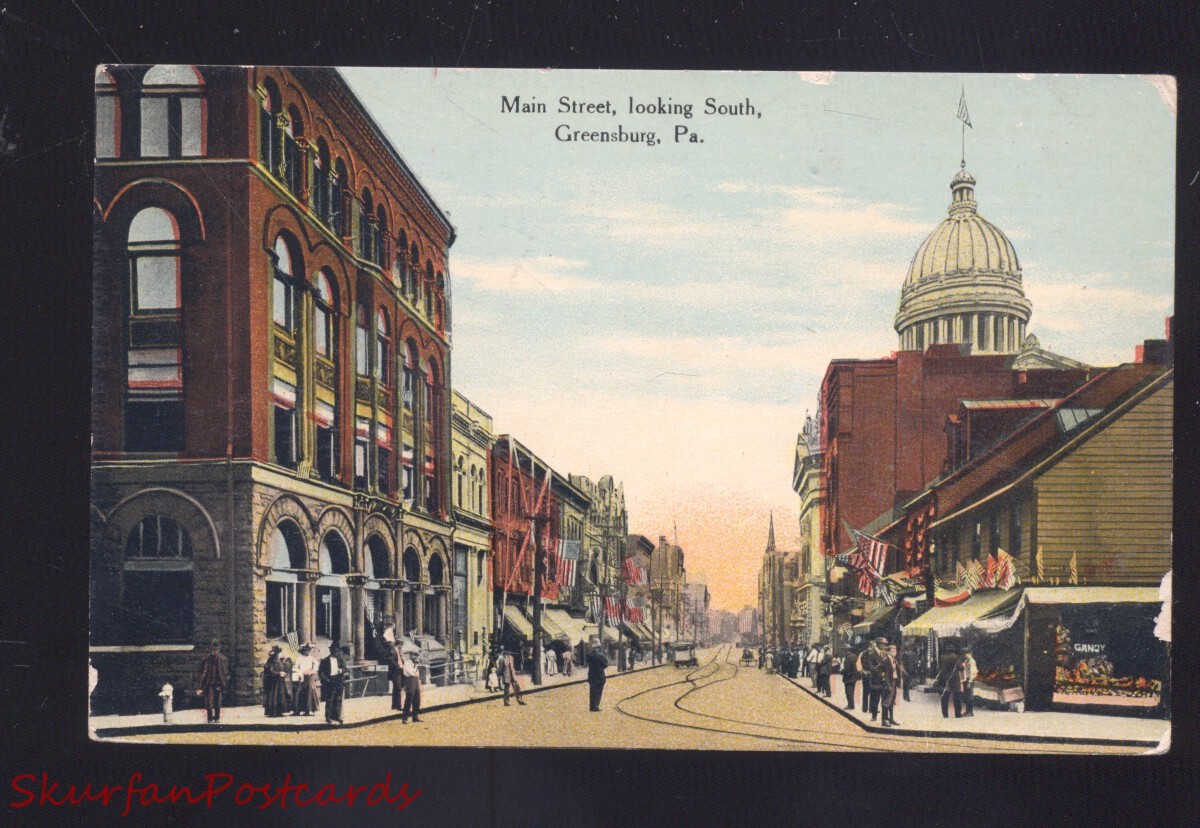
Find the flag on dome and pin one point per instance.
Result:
(963, 115)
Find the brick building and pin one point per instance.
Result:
(270, 426)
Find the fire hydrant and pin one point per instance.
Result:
(167, 694)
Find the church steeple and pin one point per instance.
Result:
(771, 534)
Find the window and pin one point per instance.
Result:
(269, 140)
(406, 471)
(281, 608)
(459, 477)
(173, 113)
(283, 303)
(326, 452)
(365, 225)
(410, 362)
(428, 290)
(108, 116)
(153, 409)
(383, 348)
(384, 469)
(293, 155)
(285, 436)
(154, 248)
(378, 234)
(157, 583)
(362, 349)
(479, 567)
(362, 448)
(1014, 530)
(323, 332)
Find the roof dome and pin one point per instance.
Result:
(964, 243)
(964, 283)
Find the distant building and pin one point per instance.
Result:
(471, 434)
(808, 610)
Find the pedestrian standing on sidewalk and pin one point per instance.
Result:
(971, 670)
(810, 663)
(597, 664)
(762, 657)
(824, 671)
(889, 673)
(333, 682)
(568, 662)
(901, 677)
(506, 673)
(276, 699)
(861, 668)
(412, 689)
(308, 691)
(872, 676)
(214, 674)
(395, 673)
(908, 665)
(850, 676)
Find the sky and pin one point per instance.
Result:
(665, 314)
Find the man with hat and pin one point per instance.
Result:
(970, 671)
(395, 672)
(873, 678)
(333, 681)
(506, 674)
(411, 676)
(214, 674)
(307, 691)
(597, 664)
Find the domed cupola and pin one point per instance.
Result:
(964, 283)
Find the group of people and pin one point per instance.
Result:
(501, 675)
(884, 676)
(291, 685)
(956, 675)
(405, 676)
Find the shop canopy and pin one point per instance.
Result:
(647, 633)
(517, 621)
(552, 628)
(956, 619)
(572, 627)
(875, 618)
(1092, 595)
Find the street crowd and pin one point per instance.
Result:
(884, 673)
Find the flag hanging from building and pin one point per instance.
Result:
(596, 609)
(1006, 571)
(963, 115)
(1074, 570)
(633, 573)
(873, 550)
(612, 611)
(566, 569)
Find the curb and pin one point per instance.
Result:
(995, 737)
(263, 727)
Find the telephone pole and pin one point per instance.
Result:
(536, 523)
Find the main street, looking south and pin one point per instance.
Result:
(719, 705)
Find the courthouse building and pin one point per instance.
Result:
(270, 422)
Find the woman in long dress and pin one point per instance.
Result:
(308, 691)
(276, 673)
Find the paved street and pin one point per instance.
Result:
(717, 706)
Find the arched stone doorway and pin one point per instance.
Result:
(288, 601)
(435, 599)
(333, 605)
(377, 599)
(410, 613)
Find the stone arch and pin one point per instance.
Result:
(183, 508)
(170, 195)
(334, 517)
(283, 217)
(377, 524)
(411, 564)
(286, 507)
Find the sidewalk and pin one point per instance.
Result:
(923, 717)
(356, 711)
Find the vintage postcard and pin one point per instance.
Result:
(725, 411)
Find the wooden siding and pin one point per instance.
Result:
(1108, 502)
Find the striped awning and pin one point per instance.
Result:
(573, 627)
(519, 624)
(956, 619)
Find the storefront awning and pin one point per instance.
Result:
(572, 627)
(552, 628)
(635, 631)
(1092, 595)
(958, 618)
(647, 633)
(875, 618)
(518, 623)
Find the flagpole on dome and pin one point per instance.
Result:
(965, 117)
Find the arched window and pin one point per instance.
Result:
(154, 253)
(414, 265)
(439, 305)
(362, 343)
(366, 233)
(324, 344)
(428, 289)
(322, 175)
(435, 604)
(108, 115)
(154, 407)
(383, 347)
(400, 272)
(337, 198)
(324, 333)
(379, 234)
(460, 477)
(287, 558)
(293, 155)
(283, 307)
(173, 112)
(375, 567)
(410, 367)
(332, 590)
(156, 592)
(412, 574)
(270, 150)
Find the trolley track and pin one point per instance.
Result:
(698, 680)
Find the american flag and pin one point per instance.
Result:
(566, 571)
(633, 573)
(874, 550)
(612, 611)
(973, 576)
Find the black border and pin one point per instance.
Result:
(47, 52)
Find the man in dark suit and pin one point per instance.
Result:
(214, 675)
(395, 671)
(333, 682)
(871, 676)
(506, 674)
(850, 676)
(597, 664)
